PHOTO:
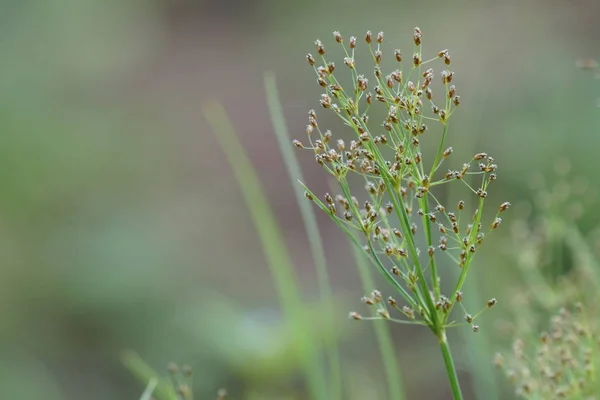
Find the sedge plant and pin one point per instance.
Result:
(390, 200)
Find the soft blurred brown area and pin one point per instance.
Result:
(121, 225)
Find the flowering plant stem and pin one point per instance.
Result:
(450, 366)
(388, 158)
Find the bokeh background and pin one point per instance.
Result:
(122, 227)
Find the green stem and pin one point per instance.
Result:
(450, 367)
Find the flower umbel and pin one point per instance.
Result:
(401, 204)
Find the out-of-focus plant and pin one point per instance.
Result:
(560, 271)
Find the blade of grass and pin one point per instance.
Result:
(162, 390)
(382, 333)
(310, 224)
(147, 395)
(274, 247)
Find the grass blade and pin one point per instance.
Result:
(162, 390)
(147, 395)
(310, 223)
(273, 245)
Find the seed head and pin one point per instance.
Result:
(369, 37)
(416, 59)
(310, 59)
(378, 55)
(325, 101)
(355, 316)
(380, 37)
(408, 312)
(338, 37)
(349, 62)
(417, 36)
(320, 47)
(504, 206)
(459, 296)
(352, 42)
(398, 55)
(445, 55)
(367, 300)
(496, 223)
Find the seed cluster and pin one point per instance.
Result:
(560, 365)
(399, 206)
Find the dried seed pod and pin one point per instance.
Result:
(320, 47)
(338, 37)
(417, 35)
(398, 55)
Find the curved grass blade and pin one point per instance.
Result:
(162, 389)
(274, 247)
(310, 224)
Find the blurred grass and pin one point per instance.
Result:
(387, 351)
(310, 223)
(274, 247)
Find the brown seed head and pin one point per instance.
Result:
(504, 206)
(320, 47)
(338, 37)
(398, 55)
(417, 36)
(416, 59)
(352, 42)
(355, 316)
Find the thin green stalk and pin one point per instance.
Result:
(424, 202)
(382, 333)
(310, 224)
(485, 378)
(162, 390)
(450, 365)
(465, 269)
(274, 247)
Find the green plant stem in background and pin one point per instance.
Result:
(450, 365)
(382, 333)
(273, 245)
(310, 224)
(162, 390)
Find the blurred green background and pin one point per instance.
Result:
(121, 226)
